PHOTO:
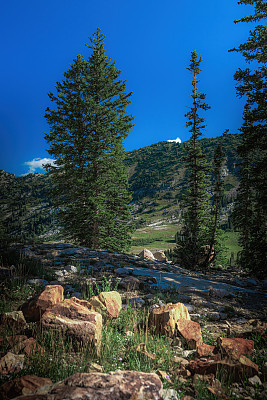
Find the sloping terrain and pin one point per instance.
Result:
(157, 179)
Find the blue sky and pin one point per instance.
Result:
(150, 41)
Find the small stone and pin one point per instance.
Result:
(71, 268)
(255, 381)
(214, 316)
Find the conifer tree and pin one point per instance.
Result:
(251, 205)
(196, 230)
(87, 128)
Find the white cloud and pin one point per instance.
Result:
(177, 140)
(38, 163)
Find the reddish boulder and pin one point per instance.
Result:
(164, 319)
(236, 370)
(235, 347)
(76, 321)
(118, 385)
(23, 385)
(191, 332)
(205, 350)
(35, 307)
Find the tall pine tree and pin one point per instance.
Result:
(87, 126)
(251, 205)
(196, 230)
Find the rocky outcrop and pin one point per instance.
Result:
(118, 385)
(35, 307)
(163, 320)
(76, 321)
(146, 255)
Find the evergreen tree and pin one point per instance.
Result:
(195, 233)
(251, 205)
(87, 128)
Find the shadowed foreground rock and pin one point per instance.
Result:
(23, 385)
(119, 385)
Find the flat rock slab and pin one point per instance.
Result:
(119, 385)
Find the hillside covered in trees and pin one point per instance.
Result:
(156, 176)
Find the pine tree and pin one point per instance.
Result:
(195, 233)
(251, 205)
(87, 128)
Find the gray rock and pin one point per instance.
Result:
(37, 281)
(71, 268)
(77, 294)
(189, 307)
(255, 381)
(169, 394)
(137, 302)
(214, 316)
(122, 271)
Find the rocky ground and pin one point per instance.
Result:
(223, 303)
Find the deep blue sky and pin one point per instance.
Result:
(150, 41)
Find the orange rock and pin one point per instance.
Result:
(23, 385)
(35, 307)
(235, 370)
(191, 331)
(164, 319)
(235, 347)
(205, 350)
(108, 304)
(77, 321)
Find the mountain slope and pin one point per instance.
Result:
(156, 176)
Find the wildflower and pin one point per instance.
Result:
(120, 359)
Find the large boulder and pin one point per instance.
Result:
(160, 256)
(11, 363)
(235, 347)
(35, 307)
(108, 304)
(118, 385)
(76, 321)
(164, 319)
(146, 255)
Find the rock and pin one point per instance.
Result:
(76, 321)
(235, 347)
(118, 385)
(169, 394)
(29, 347)
(35, 307)
(164, 319)
(221, 293)
(37, 281)
(13, 319)
(255, 381)
(94, 367)
(130, 283)
(160, 256)
(205, 350)
(122, 271)
(136, 302)
(71, 268)
(108, 304)
(191, 332)
(236, 370)
(180, 360)
(11, 363)
(146, 254)
(214, 316)
(23, 385)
